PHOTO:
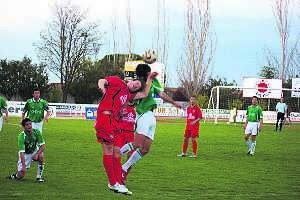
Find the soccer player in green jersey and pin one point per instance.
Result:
(31, 147)
(253, 125)
(3, 107)
(146, 122)
(35, 108)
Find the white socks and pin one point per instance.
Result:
(136, 156)
(126, 148)
(40, 170)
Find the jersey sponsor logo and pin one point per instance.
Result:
(123, 99)
(129, 118)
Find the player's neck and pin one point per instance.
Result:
(27, 132)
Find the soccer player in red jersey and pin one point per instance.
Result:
(194, 115)
(127, 126)
(115, 94)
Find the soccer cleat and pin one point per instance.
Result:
(12, 177)
(193, 156)
(40, 180)
(113, 187)
(249, 151)
(182, 155)
(123, 190)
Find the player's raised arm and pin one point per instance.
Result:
(145, 92)
(101, 85)
(168, 99)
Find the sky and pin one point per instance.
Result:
(244, 28)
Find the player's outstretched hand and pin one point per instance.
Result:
(152, 75)
(101, 85)
(177, 105)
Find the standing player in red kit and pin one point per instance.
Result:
(194, 115)
(115, 94)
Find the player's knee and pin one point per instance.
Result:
(117, 154)
(144, 151)
(137, 145)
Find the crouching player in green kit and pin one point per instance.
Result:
(31, 147)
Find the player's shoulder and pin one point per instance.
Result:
(21, 134)
(29, 100)
(43, 100)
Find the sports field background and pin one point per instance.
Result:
(74, 169)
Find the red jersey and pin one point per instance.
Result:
(127, 122)
(116, 95)
(193, 112)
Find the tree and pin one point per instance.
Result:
(200, 45)
(286, 63)
(212, 82)
(19, 78)
(8, 79)
(85, 89)
(267, 72)
(68, 39)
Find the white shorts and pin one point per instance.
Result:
(1, 122)
(38, 125)
(146, 124)
(252, 128)
(28, 160)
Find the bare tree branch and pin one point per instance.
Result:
(199, 48)
(286, 63)
(66, 42)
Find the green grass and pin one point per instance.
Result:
(222, 170)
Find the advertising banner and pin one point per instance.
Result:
(262, 88)
(15, 108)
(295, 87)
(90, 113)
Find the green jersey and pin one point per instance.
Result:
(149, 102)
(28, 143)
(3, 105)
(254, 113)
(35, 109)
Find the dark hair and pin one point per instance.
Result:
(255, 97)
(35, 89)
(24, 121)
(142, 71)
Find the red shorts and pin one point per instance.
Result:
(124, 138)
(191, 132)
(106, 129)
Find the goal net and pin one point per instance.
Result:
(227, 103)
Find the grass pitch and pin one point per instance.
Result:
(74, 169)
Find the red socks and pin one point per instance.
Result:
(118, 169)
(195, 145)
(185, 146)
(109, 169)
